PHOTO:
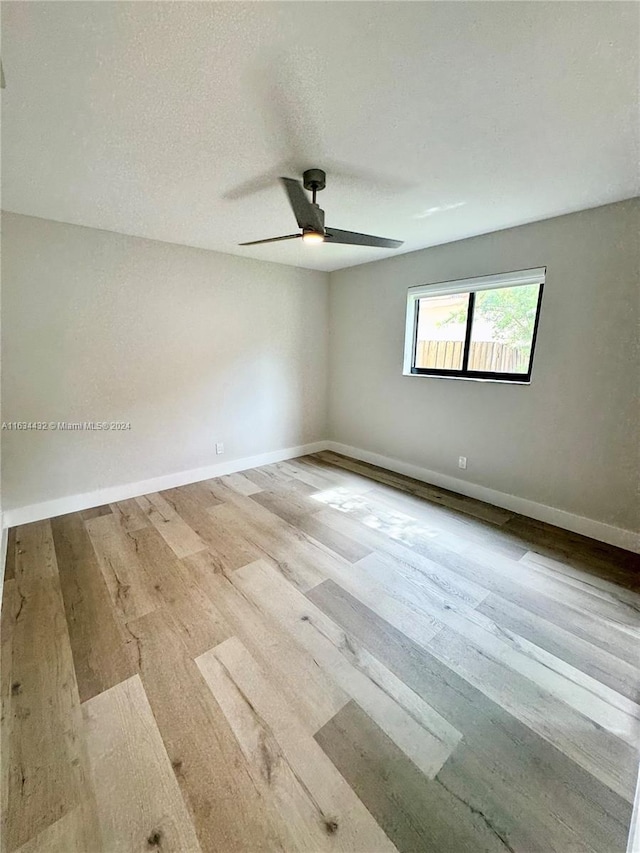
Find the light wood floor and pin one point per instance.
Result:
(316, 655)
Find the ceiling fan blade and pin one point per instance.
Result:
(272, 240)
(307, 216)
(352, 238)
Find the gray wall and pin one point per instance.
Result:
(195, 347)
(191, 346)
(570, 439)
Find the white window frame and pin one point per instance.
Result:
(462, 285)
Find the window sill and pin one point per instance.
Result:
(469, 379)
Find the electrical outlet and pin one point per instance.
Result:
(462, 461)
(219, 447)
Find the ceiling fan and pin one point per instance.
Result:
(310, 217)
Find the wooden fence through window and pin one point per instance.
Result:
(483, 355)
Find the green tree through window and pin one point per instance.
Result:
(511, 311)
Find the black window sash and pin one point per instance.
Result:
(467, 340)
(464, 372)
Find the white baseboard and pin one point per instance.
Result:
(560, 518)
(577, 524)
(75, 503)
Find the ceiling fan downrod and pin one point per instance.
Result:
(314, 180)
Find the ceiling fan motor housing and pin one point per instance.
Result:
(314, 179)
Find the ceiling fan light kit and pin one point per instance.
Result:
(313, 237)
(310, 217)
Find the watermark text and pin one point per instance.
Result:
(66, 426)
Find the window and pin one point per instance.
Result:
(476, 328)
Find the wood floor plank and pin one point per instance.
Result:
(268, 765)
(347, 516)
(432, 579)
(513, 587)
(46, 761)
(557, 684)
(303, 562)
(300, 469)
(371, 472)
(526, 823)
(336, 479)
(453, 501)
(117, 554)
(604, 706)
(267, 477)
(416, 813)
(143, 574)
(594, 550)
(140, 805)
(412, 621)
(197, 496)
(576, 550)
(474, 676)
(406, 517)
(291, 501)
(339, 477)
(10, 604)
(588, 581)
(240, 483)
(411, 534)
(397, 516)
(506, 748)
(407, 542)
(76, 831)
(220, 491)
(565, 645)
(129, 515)
(205, 514)
(172, 587)
(605, 756)
(181, 538)
(621, 613)
(339, 813)
(423, 735)
(95, 512)
(229, 813)
(296, 504)
(101, 654)
(10, 563)
(445, 528)
(310, 692)
(379, 594)
(410, 526)
(346, 547)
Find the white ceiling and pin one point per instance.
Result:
(434, 121)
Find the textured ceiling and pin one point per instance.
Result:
(434, 121)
